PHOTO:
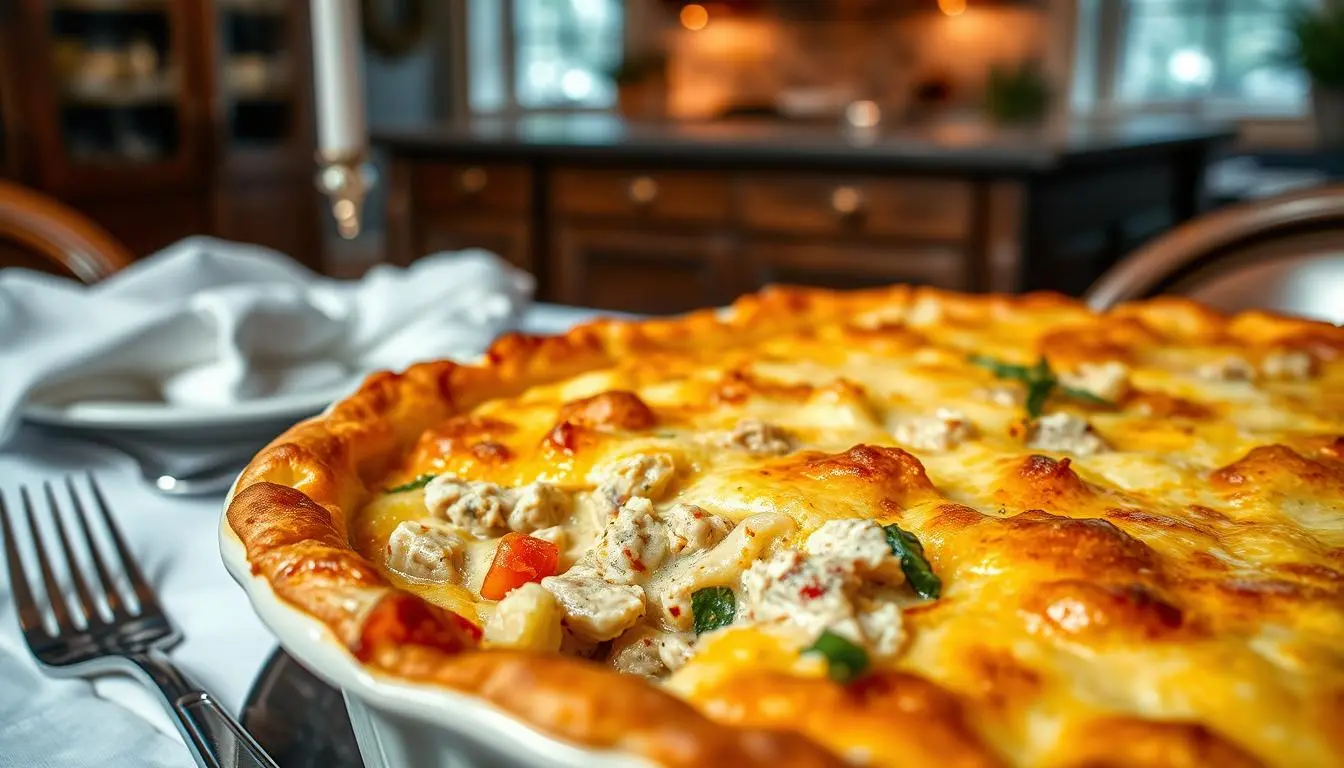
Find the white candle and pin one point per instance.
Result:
(339, 77)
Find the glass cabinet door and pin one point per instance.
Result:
(121, 105)
(262, 64)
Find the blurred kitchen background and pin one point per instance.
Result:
(658, 155)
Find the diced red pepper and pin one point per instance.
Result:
(519, 559)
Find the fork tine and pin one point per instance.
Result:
(54, 595)
(143, 594)
(110, 592)
(92, 616)
(30, 619)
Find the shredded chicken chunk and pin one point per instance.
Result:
(647, 475)
(477, 506)
(594, 608)
(691, 529)
(811, 594)
(859, 546)
(1066, 433)
(1231, 368)
(632, 545)
(759, 438)
(538, 505)
(636, 653)
(486, 509)
(719, 566)
(943, 431)
(1108, 380)
(1289, 365)
(429, 553)
(675, 649)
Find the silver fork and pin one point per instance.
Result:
(104, 631)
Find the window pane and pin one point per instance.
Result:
(1251, 71)
(485, 46)
(566, 50)
(1166, 53)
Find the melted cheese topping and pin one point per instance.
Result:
(1170, 595)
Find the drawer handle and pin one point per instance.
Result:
(643, 190)
(847, 201)
(473, 180)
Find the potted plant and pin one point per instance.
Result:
(641, 86)
(1019, 94)
(1316, 45)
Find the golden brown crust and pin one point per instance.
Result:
(1096, 582)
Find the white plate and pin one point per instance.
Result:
(133, 416)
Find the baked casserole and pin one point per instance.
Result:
(898, 527)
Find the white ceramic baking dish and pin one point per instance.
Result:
(401, 724)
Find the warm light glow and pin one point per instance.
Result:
(952, 7)
(863, 114)
(1190, 66)
(694, 17)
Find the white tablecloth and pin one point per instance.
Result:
(175, 541)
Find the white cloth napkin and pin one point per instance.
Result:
(208, 323)
(38, 716)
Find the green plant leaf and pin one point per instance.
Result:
(1085, 396)
(1001, 369)
(845, 661)
(1037, 393)
(1315, 38)
(713, 607)
(1040, 381)
(914, 564)
(419, 482)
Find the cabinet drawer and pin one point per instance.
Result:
(854, 265)
(641, 270)
(496, 187)
(680, 195)
(923, 208)
(510, 237)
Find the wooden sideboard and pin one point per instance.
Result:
(662, 228)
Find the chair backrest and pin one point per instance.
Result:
(59, 237)
(1284, 253)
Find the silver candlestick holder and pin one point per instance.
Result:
(345, 178)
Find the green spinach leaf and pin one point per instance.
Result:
(845, 661)
(914, 564)
(713, 607)
(419, 482)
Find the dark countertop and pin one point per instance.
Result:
(966, 146)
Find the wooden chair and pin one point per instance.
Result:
(40, 233)
(1284, 253)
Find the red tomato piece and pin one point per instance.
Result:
(519, 559)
